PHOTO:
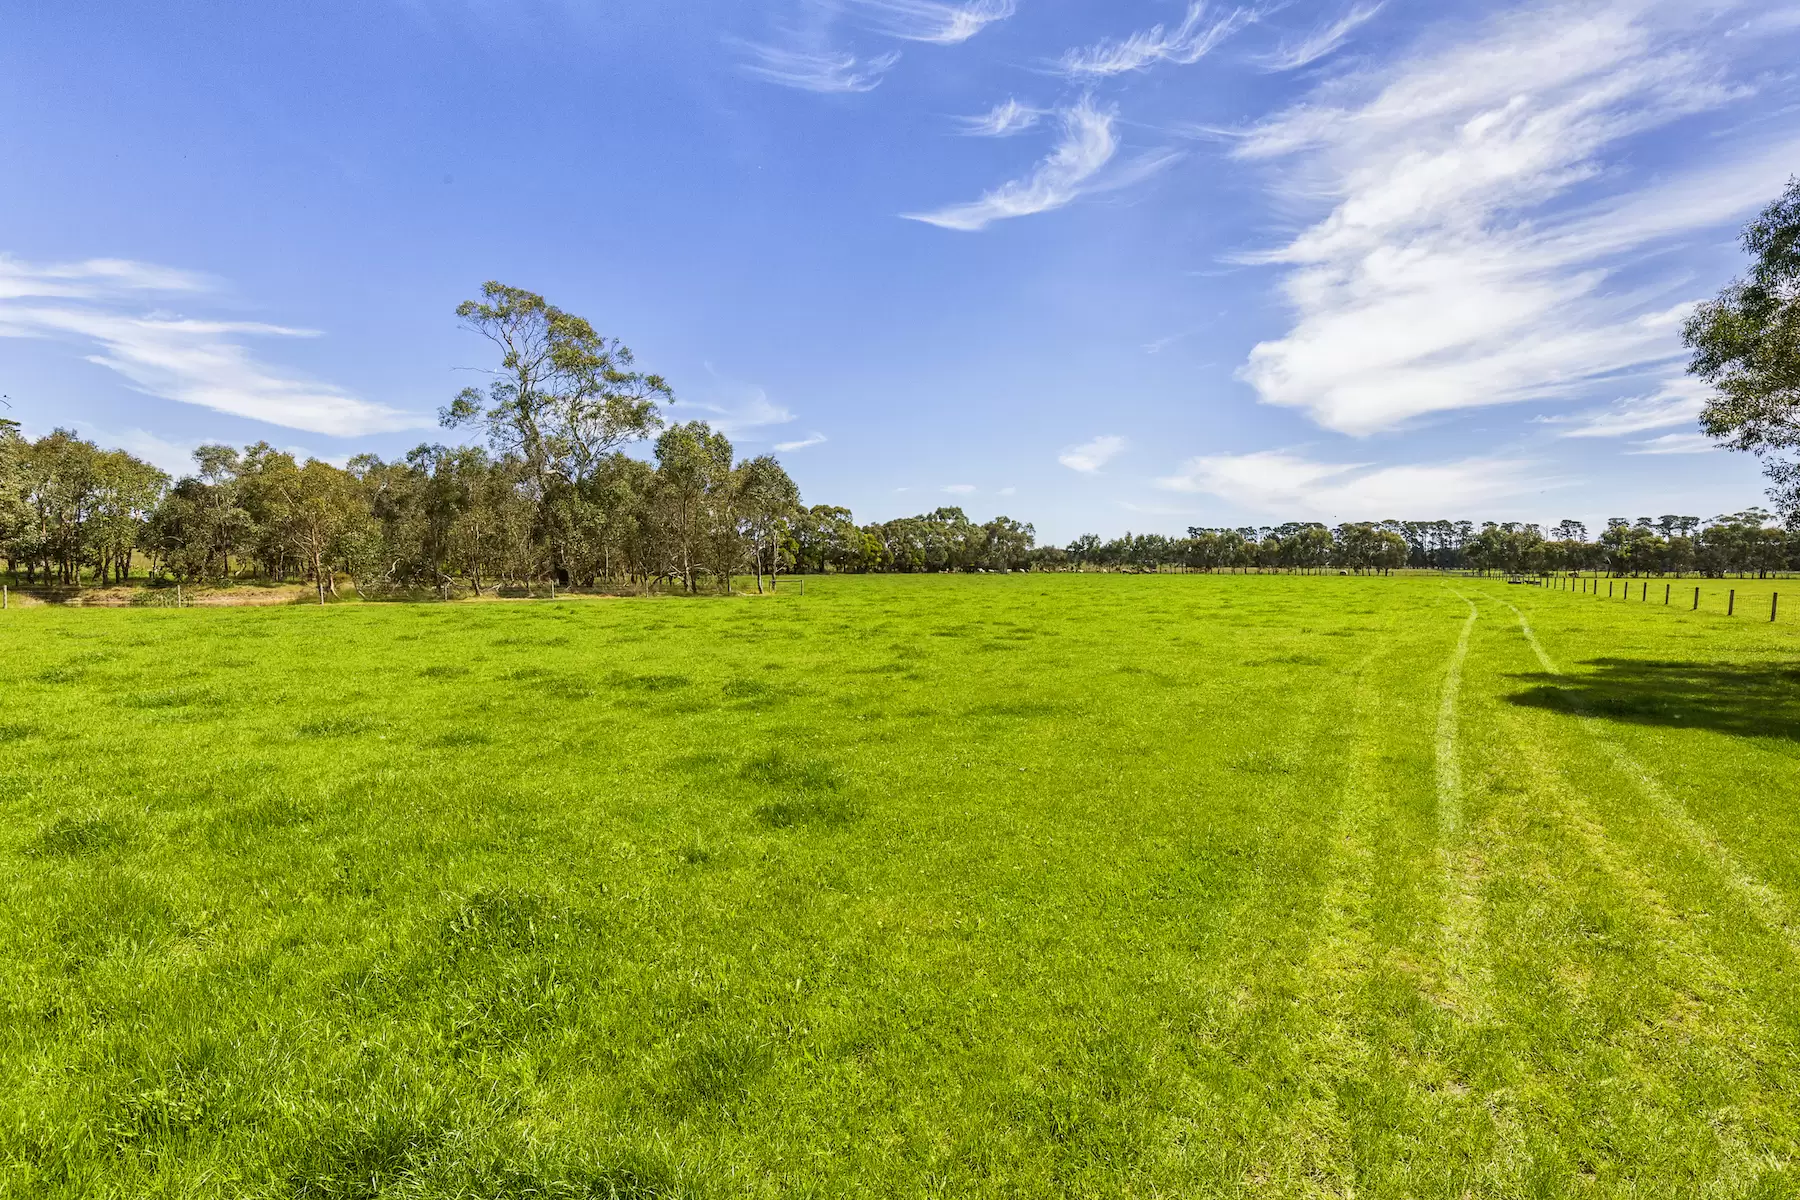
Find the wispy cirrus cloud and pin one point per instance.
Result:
(1091, 455)
(1677, 402)
(1195, 38)
(1003, 120)
(1088, 144)
(1450, 271)
(1160, 344)
(748, 408)
(92, 279)
(814, 439)
(1290, 56)
(1675, 443)
(936, 21)
(826, 71)
(959, 489)
(98, 306)
(1279, 482)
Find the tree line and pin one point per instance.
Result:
(1734, 543)
(467, 520)
(553, 498)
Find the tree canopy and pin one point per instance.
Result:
(1746, 344)
(557, 498)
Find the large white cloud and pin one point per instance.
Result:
(1449, 269)
(99, 306)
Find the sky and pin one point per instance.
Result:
(1101, 266)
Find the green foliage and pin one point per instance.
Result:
(1746, 344)
(1089, 885)
(67, 506)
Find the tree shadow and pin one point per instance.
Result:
(1760, 700)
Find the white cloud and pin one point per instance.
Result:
(960, 489)
(816, 439)
(94, 279)
(1163, 343)
(1003, 120)
(1441, 277)
(1279, 482)
(95, 306)
(1320, 42)
(1088, 144)
(1090, 456)
(815, 70)
(1195, 38)
(1007, 491)
(1676, 443)
(936, 21)
(1678, 402)
(752, 410)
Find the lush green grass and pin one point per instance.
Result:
(1005, 886)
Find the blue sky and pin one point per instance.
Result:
(1138, 264)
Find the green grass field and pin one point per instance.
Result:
(997, 886)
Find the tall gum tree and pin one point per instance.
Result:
(562, 400)
(1746, 343)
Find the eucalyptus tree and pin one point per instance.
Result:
(767, 500)
(178, 537)
(60, 485)
(1746, 344)
(14, 513)
(563, 400)
(481, 504)
(948, 533)
(265, 487)
(1007, 544)
(328, 524)
(623, 532)
(827, 535)
(127, 490)
(67, 505)
(220, 524)
(692, 484)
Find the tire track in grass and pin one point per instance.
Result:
(1317, 1156)
(1336, 1044)
(1275, 975)
(1701, 999)
(1465, 983)
(1768, 904)
(1449, 770)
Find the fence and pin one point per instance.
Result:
(1755, 598)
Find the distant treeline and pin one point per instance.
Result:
(554, 499)
(1735, 543)
(453, 520)
(458, 520)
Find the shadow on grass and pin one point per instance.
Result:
(1762, 700)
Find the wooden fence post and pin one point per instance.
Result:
(1696, 599)
(1731, 602)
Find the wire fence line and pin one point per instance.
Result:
(1741, 598)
